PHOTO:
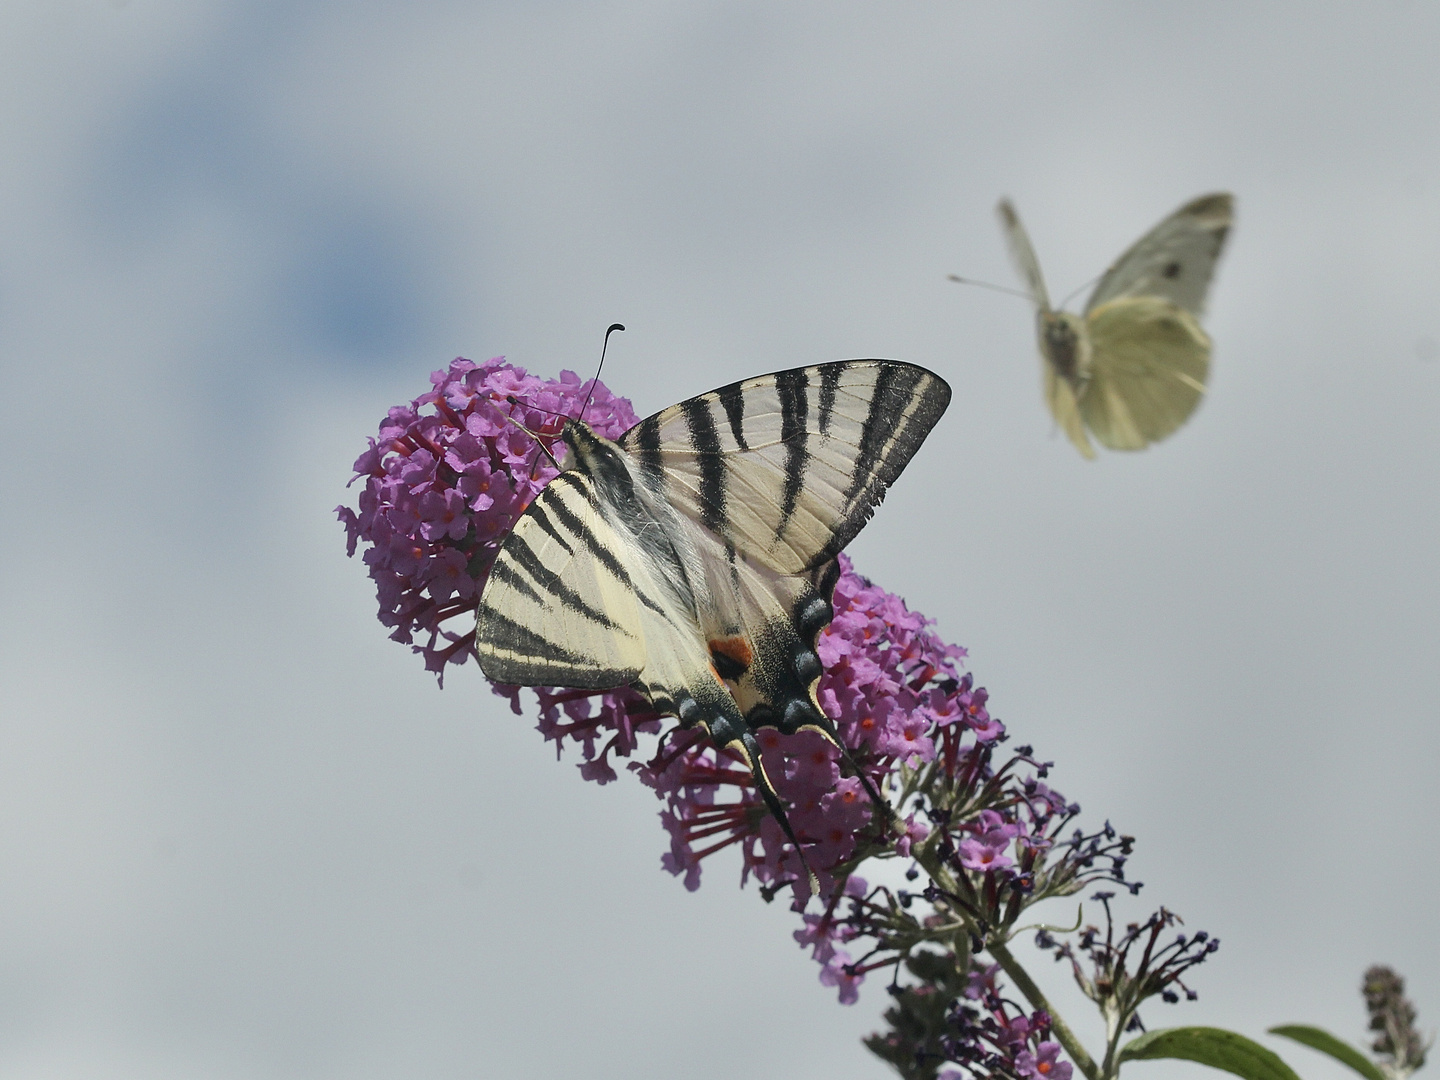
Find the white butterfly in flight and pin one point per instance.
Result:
(694, 557)
(1133, 368)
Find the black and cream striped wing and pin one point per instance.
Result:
(787, 468)
(559, 608)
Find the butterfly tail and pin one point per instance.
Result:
(773, 803)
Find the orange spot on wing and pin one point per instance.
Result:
(735, 648)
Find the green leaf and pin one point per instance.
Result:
(1215, 1047)
(1326, 1043)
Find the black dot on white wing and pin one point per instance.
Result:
(1172, 270)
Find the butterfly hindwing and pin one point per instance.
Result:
(1175, 260)
(1060, 397)
(1149, 365)
(560, 607)
(787, 468)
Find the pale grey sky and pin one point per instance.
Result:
(243, 836)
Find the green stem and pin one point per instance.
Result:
(1021, 978)
(939, 873)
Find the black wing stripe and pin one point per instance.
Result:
(560, 486)
(705, 441)
(523, 643)
(503, 572)
(732, 398)
(563, 486)
(905, 404)
(871, 437)
(829, 383)
(519, 553)
(648, 449)
(542, 519)
(791, 386)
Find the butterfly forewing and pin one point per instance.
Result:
(560, 606)
(1175, 260)
(1022, 253)
(787, 468)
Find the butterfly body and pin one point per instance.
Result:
(694, 557)
(1065, 345)
(1133, 367)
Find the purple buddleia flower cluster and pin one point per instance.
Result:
(992, 843)
(956, 1013)
(444, 483)
(992, 1036)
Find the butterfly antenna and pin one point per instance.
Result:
(513, 400)
(599, 368)
(987, 285)
(1082, 288)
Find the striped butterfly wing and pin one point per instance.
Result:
(1175, 260)
(786, 469)
(559, 607)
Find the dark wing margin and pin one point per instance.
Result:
(906, 403)
(787, 468)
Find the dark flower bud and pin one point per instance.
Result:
(1393, 1018)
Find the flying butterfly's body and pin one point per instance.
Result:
(694, 557)
(1133, 367)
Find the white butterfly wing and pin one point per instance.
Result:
(787, 468)
(1022, 253)
(1175, 260)
(560, 606)
(1150, 362)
